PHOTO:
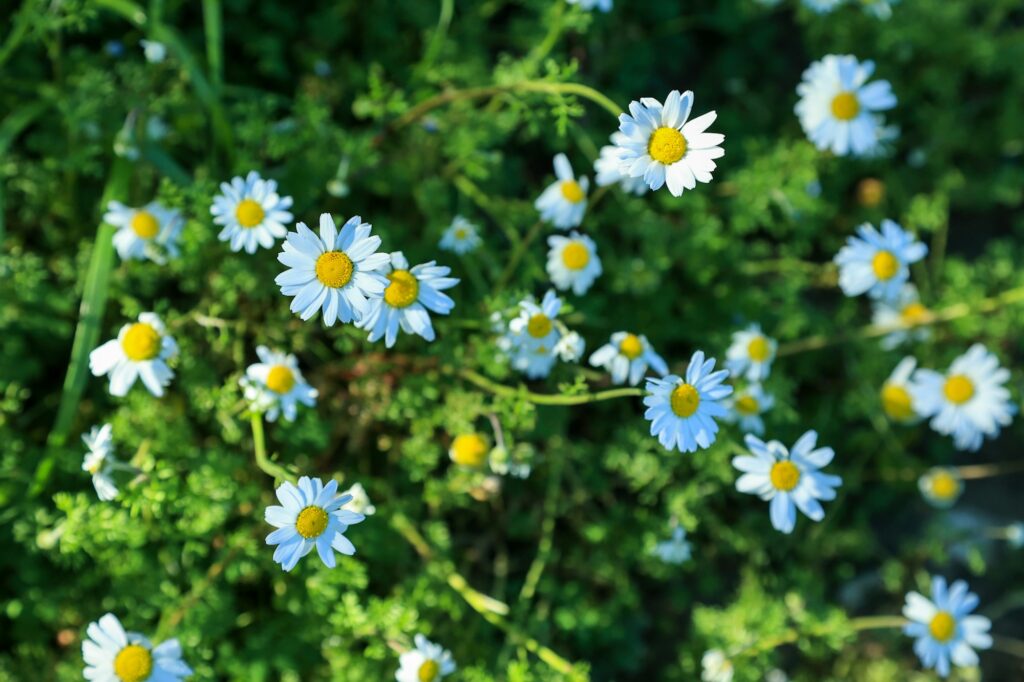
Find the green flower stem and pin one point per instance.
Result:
(494, 387)
(518, 251)
(270, 468)
(547, 533)
(444, 21)
(555, 28)
(791, 635)
(214, 28)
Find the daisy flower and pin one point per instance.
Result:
(428, 662)
(880, 9)
(275, 385)
(660, 146)
(943, 628)
(715, 666)
(461, 237)
(675, 550)
(878, 262)
(838, 108)
(469, 450)
(360, 502)
(155, 51)
(147, 232)
(789, 479)
(906, 314)
(608, 168)
(99, 461)
(941, 486)
(533, 335)
(564, 201)
(751, 353)
(822, 6)
(897, 394)
(570, 347)
(682, 411)
(141, 350)
(113, 655)
(251, 212)
(337, 272)
(746, 407)
(603, 5)
(969, 401)
(310, 515)
(409, 295)
(627, 357)
(573, 262)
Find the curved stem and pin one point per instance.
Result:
(270, 468)
(494, 387)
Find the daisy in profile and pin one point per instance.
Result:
(533, 335)
(564, 202)
(252, 213)
(905, 314)
(469, 450)
(99, 461)
(790, 480)
(943, 627)
(627, 357)
(603, 5)
(275, 385)
(461, 237)
(360, 502)
(662, 147)
(428, 662)
(608, 168)
(747, 406)
(409, 298)
(149, 232)
(675, 550)
(897, 393)
(941, 487)
(878, 263)
(114, 655)
(969, 401)
(682, 410)
(839, 109)
(310, 515)
(337, 272)
(140, 351)
(573, 262)
(751, 353)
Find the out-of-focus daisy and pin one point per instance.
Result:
(941, 486)
(360, 502)
(969, 401)
(1014, 534)
(533, 335)
(608, 168)
(149, 232)
(822, 6)
(99, 461)
(251, 212)
(428, 662)
(603, 5)
(570, 347)
(627, 357)
(564, 202)
(155, 52)
(943, 627)
(878, 263)
(880, 9)
(275, 385)
(114, 655)
(906, 310)
(461, 236)
(409, 295)
(573, 262)
(751, 353)
(469, 450)
(662, 147)
(682, 410)
(790, 480)
(746, 407)
(675, 550)
(715, 666)
(141, 350)
(310, 515)
(337, 272)
(897, 392)
(838, 108)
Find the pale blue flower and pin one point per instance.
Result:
(682, 411)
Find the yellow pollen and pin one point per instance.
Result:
(403, 290)
(145, 224)
(539, 326)
(428, 671)
(249, 213)
(845, 106)
(312, 522)
(897, 403)
(666, 145)
(747, 405)
(469, 450)
(758, 349)
(460, 233)
(141, 342)
(942, 627)
(133, 663)
(885, 265)
(575, 256)
(334, 269)
(280, 379)
(944, 485)
(784, 475)
(684, 400)
(914, 313)
(572, 191)
(631, 346)
(958, 389)
(95, 466)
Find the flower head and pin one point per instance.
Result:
(533, 336)
(715, 666)
(746, 407)
(603, 5)
(310, 515)
(878, 263)
(469, 450)
(149, 232)
(428, 662)
(751, 354)
(905, 314)
(943, 628)
(99, 460)
(113, 655)
(251, 212)
(155, 52)
(141, 350)
(675, 550)
(573, 262)
(941, 487)
(627, 357)
(608, 168)
(275, 385)
(682, 410)
(564, 202)
(897, 394)
(360, 502)
(461, 237)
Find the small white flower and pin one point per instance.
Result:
(310, 515)
(155, 52)
(461, 237)
(660, 146)
(564, 202)
(682, 411)
(906, 310)
(360, 502)
(113, 655)
(608, 168)
(573, 262)
(897, 394)
(570, 347)
(942, 627)
(1015, 535)
(675, 550)
(533, 336)
(337, 272)
(627, 357)
(789, 480)
(603, 5)
(715, 666)
(141, 350)
(751, 354)
(99, 461)
(880, 9)
(941, 486)
(746, 407)
(428, 662)
(878, 263)
(251, 212)
(275, 385)
(148, 232)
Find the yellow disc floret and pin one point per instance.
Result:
(403, 290)
(958, 389)
(141, 342)
(944, 485)
(133, 663)
(942, 626)
(845, 106)
(334, 269)
(572, 192)
(249, 213)
(684, 400)
(631, 346)
(784, 475)
(885, 265)
(914, 313)
(280, 379)
(759, 349)
(428, 671)
(575, 256)
(666, 145)
(469, 450)
(145, 225)
(539, 326)
(747, 405)
(311, 522)
(897, 403)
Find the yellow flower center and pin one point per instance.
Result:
(469, 450)
(944, 485)
(312, 522)
(914, 313)
(334, 269)
(572, 191)
(249, 213)
(958, 389)
(666, 145)
(575, 256)
(428, 671)
(145, 224)
(758, 349)
(684, 400)
(747, 405)
(539, 326)
(141, 342)
(631, 346)
(943, 626)
(133, 663)
(870, 192)
(403, 290)
(845, 106)
(460, 233)
(784, 475)
(896, 402)
(280, 379)
(885, 265)
(95, 466)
